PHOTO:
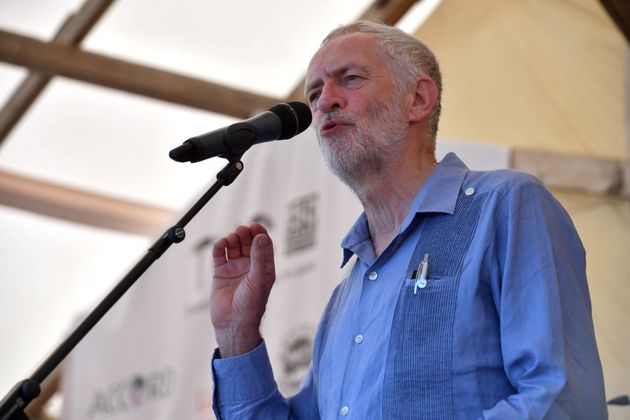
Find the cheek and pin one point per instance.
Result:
(318, 119)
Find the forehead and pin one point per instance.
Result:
(354, 49)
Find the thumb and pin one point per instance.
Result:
(259, 257)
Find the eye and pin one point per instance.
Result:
(312, 97)
(352, 77)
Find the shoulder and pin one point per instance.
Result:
(504, 182)
(513, 194)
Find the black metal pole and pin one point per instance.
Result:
(13, 404)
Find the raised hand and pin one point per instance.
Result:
(244, 274)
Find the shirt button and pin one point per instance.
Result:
(344, 410)
(358, 339)
(373, 275)
(469, 191)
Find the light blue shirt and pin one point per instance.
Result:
(497, 325)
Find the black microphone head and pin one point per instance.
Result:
(183, 153)
(295, 118)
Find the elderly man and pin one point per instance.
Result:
(467, 298)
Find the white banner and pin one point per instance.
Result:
(149, 358)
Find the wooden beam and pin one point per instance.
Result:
(79, 24)
(575, 173)
(626, 87)
(20, 101)
(72, 32)
(81, 207)
(619, 12)
(385, 11)
(93, 68)
(625, 186)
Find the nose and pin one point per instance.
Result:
(330, 98)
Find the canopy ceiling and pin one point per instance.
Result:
(85, 147)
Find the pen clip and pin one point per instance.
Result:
(423, 269)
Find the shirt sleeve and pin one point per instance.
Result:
(547, 336)
(244, 388)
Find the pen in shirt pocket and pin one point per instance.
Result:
(421, 274)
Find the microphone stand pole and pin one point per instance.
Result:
(13, 404)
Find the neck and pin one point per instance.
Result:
(387, 196)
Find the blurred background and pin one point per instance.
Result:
(94, 93)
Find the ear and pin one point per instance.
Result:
(423, 100)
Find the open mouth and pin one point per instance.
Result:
(333, 126)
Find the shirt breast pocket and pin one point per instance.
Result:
(429, 285)
(426, 307)
(418, 369)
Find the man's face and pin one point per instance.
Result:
(357, 113)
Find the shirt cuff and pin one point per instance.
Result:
(242, 378)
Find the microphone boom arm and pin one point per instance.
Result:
(15, 402)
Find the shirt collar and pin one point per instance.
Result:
(438, 195)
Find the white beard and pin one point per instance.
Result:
(367, 147)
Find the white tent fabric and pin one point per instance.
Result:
(534, 74)
(116, 144)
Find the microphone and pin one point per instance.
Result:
(281, 122)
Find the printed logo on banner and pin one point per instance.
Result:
(265, 220)
(132, 393)
(199, 284)
(302, 223)
(295, 357)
